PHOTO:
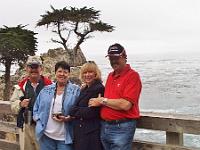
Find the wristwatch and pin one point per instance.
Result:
(104, 101)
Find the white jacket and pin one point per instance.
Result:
(15, 99)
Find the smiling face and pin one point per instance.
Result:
(62, 76)
(89, 77)
(89, 73)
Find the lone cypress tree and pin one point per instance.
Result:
(16, 43)
(73, 22)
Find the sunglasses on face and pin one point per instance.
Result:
(33, 66)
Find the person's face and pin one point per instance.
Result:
(62, 75)
(34, 70)
(117, 62)
(89, 77)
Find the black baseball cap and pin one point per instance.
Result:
(116, 50)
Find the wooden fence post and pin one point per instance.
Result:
(174, 138)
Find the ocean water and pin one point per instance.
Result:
(171, 84)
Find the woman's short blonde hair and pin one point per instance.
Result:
(90, 66)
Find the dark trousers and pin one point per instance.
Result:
(87, 141)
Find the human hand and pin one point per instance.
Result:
(83, 85)
(66, 118)
(95, 102)
(61, 118)
(24, 102)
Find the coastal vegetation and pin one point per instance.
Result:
(73, 23)
(16, 43)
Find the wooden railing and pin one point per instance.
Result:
(174, 126)
(9, 138)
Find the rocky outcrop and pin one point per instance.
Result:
(49, 60)
(55, 55)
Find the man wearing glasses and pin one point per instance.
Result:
(119, 106)
(23, 99)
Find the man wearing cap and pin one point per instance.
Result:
(23, 99)
(119, 106)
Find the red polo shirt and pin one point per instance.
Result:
(126, 85)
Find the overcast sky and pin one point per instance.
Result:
(142, 26)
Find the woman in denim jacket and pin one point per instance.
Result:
(53, 129)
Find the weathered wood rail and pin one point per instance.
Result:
(174, 126)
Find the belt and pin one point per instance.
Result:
(118, 121)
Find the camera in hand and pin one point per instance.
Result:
(57, 114)
(21, 98)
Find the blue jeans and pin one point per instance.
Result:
(47, 143)
(118, 136)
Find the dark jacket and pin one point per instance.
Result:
(87, 122)
(25, 86)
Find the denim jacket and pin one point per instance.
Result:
(42, 106)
